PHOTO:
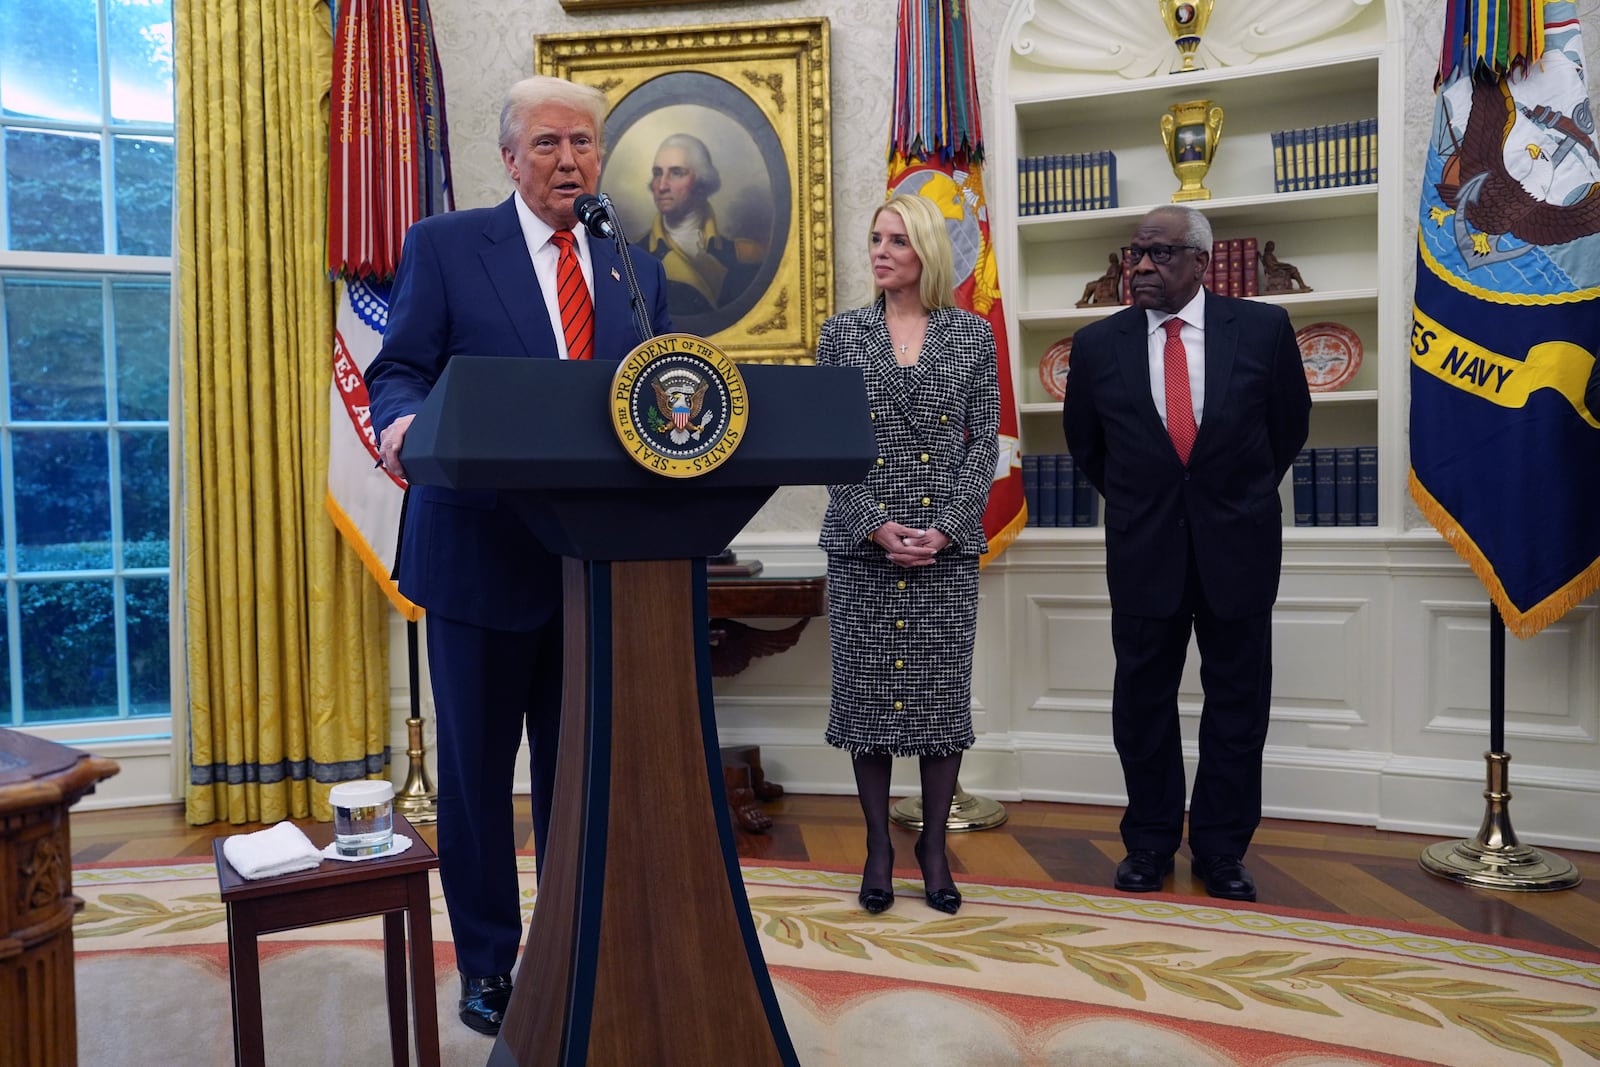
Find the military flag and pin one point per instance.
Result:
(1505, 449)
(388, 167)
(936, 151)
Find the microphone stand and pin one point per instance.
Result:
(641, 315)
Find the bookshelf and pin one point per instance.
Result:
(1335, 236)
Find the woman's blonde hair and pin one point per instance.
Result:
(930, 240)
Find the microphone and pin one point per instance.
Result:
(594, 216)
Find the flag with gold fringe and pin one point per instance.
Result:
(388, 166)
(1505, 447)
(936, 151)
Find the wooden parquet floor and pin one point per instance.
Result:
(1349, 870)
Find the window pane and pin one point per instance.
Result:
(141, 313)
(55, 344)
(50, 59)
(63, 500)
(145, 524)
(69, 651)
(53, 191)
(140, 39)
(149, 663)
(144, 195)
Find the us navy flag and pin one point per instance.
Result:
(1505, 449)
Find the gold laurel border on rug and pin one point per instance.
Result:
(1028, 972)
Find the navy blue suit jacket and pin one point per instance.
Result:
(1225, 501)
(466, 286)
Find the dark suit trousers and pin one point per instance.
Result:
(1236, 676)
(489, 686)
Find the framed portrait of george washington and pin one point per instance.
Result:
(717, 163)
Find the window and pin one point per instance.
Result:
(86, 150)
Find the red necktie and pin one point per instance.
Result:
(572, 294)
(1180, 402)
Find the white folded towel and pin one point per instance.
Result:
(280, 849)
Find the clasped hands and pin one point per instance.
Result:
(908, 547)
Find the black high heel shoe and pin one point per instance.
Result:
(948, 899)
(877, 901)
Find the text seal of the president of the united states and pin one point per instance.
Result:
(679, 405)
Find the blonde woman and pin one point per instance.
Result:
(903, 544)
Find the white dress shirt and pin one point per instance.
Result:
(1193, 336)
(536, 232)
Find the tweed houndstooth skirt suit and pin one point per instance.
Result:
(902, 637)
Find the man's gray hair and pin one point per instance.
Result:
(1196, 227)
(706, 179)
(530, 93)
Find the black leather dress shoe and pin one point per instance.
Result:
(1225, 877)
(1142, 871)
(483, 1002)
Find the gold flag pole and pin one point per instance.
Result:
(1495, 859)
(417, 800)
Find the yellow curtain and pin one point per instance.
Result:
(287, 651)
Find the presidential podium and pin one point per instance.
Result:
(642, 948)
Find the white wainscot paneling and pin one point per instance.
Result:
(1551, 698)
(1324, 674)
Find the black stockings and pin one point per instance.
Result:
(938, 789)
(872, 787)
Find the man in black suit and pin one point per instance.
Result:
(1185, 411)
(522, 280)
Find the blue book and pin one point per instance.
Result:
(1305, 500)
(1111, 179)
(1344, 486)
(1279, 179)
(1030, 488)
(1047, 490)
(1064, 472)
(1367, 485)
(1322, 486)
(1085, 500)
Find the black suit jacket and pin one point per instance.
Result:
(466, 285)
(1225, 502)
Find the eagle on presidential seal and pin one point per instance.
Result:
(680, 395)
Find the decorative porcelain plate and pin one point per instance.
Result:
(1330, 353)
(1053, 368)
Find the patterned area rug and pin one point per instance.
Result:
(1024, 975)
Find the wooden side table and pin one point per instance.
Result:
(395, 887)
(39, 781)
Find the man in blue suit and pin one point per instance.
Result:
(1185, 411)
(485, 283)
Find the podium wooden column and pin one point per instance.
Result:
(642, 947)
(39, 781)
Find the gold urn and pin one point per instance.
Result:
(1191, 131)
(1186, 22)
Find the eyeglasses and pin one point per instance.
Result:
(1160, 255)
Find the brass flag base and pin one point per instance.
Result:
(1495, 859)
(417, 800)
(967, 812)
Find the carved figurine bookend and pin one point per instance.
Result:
(1278, 276)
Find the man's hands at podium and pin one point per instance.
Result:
(908, 547)
(389, 442)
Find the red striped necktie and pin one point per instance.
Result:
(572, 294)
(1180, 399)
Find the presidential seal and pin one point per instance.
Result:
(679, 405)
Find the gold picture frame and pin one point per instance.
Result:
(755, 95)
(612, 5)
